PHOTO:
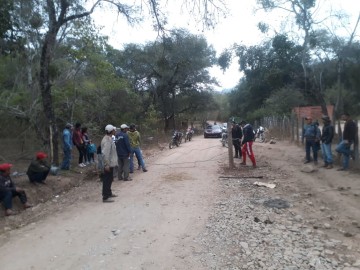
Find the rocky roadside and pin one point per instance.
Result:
(257, 227)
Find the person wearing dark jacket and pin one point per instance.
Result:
(79, 143)
(38, 169)
(348, 139)
(236, 134)
(326, 139)
(8, 190)
(247, 142)
(123, 150)
(312, 135)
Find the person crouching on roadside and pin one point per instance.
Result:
(38, 169)
(8, 190)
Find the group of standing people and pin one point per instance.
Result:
(242, 139)
(77, 136)
(118, 150)
(116, 153)
(316, 140)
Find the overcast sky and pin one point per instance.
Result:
(238, 27)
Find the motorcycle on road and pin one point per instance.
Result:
(175, 139)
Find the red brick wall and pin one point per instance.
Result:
(313, 111)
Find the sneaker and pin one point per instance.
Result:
(139, 167)
(145, 170)
(9, 212)
(120, 179)
(306, 162)
(84, 165)
(128, 179)
(131, 172)
(113, 195)
(330, 166)
(242, 163)
(108, 200)
(81, 165)
(27, 205)
(352, 154)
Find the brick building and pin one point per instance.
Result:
(313, 111)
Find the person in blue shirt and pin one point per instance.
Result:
(312, 138)
(67, 146)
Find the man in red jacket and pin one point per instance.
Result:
(79, 143)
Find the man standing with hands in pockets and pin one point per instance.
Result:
(108, 151)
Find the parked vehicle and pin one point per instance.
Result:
(213, 131)
(188, 135)
(175, 139)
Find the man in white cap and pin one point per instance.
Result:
(123, 149)
(108, 151)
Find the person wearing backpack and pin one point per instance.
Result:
(312, 138)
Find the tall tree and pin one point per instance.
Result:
(55, 16)
(267, 68)
(173, 72)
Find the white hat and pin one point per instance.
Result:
(123, 126)
(110, 128)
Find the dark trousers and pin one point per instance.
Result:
(91, 157)
(7, 196)
(236, 143)
(107, 179)
(38, 177)
(82, 153)
(311, 144)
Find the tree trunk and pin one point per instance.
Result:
(45, 88)
(321, 96)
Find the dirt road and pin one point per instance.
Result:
(157, 218)
(153, 218)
